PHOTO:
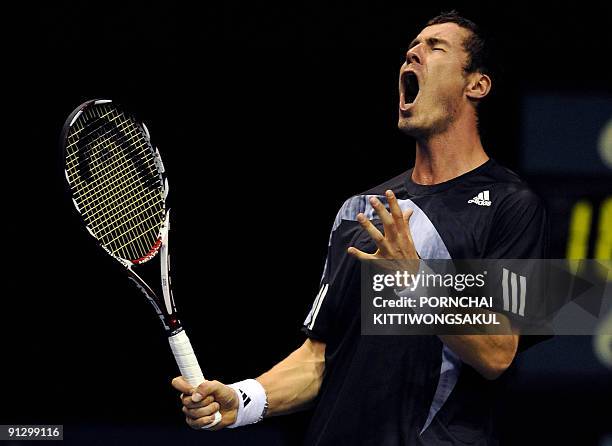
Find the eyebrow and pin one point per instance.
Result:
(431, 42)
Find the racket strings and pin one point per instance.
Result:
(122, 200)
(123, 234)
(93, 197)
(112, 214)
(73, 161)
(74, 138)
(120, 234)
(116, 225)
(108, 213)
(104, 127)
(78, 161)
(100, 114)
(92, 194)
(112, 173)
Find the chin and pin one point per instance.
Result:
(424, 128)
(410, 128)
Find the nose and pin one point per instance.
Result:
(412, 56)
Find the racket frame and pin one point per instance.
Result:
(165, 307)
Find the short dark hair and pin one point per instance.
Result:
(476, 45)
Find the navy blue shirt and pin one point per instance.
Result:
(413, 390)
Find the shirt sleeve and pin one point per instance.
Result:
(317, 324)
(520, 231)
(341, 276)
(338, 276)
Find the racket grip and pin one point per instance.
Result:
(188, 364)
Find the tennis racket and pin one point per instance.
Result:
(119, 187)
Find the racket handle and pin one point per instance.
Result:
(188, 365)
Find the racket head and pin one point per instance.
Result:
(116, 178)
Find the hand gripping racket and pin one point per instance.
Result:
(119, 187)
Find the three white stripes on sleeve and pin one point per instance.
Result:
(513, 294)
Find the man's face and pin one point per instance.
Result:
(432, 81)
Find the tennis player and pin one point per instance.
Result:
(455, 203)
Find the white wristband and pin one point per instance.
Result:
(252, 402)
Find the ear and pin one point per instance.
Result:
(478, 86)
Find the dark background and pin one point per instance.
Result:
(268, 116)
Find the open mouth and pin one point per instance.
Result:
(411, 87)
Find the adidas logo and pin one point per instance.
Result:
(245, 398)
(482, 199)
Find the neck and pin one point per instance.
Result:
(449, 154)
